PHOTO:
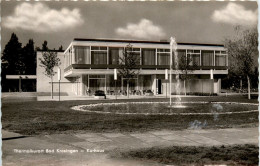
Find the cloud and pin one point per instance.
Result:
(145, 29)
(40, 18)
(235, 14)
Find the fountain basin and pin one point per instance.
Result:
(162, 108)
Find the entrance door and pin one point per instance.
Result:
(159, 86)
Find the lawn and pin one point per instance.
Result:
(47, 117)
(191, 155)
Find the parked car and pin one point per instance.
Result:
(148, 93)
(99, 94)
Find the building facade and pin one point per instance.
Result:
(88, 65)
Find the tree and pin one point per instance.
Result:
(48, 61)
(254, 78)
(128, 65)
(44, 46)
(60, 48)
(243, 52)
(12, 56)
(186, 66)
(29, 58)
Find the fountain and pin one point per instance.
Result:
(173, 48)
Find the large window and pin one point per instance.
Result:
(114, 54)
(135, 52)
(195, 57)
(98, 55)
(207, 58)
(181, 55)
(163, 56)
(68, 58)
(148, 56)
(220, 58)
(82, 55)
(97, 82)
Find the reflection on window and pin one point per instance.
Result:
(181, 55)
(136, 54)
(114, 55)
(163, 58)
(98, 55)
(194, 55)
(148, 56)
(207, 58)
(220, 58)
(82, 55)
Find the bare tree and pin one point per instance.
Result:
(48, 61)
(243, 52)
(128, 65)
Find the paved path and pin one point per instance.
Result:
(83, 145)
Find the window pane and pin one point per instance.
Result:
(207, 58)
(163, 50)
(181, 53)
(148, 56)
(220, 60)
(97, 76)
(136, 56)
(103, 48)
(195, 60)
(190, 51)
(82, 55)
(98, 48)
(163, 58)
(96, 84)
(94, 48)
(98, 57)
(113, 55)
(136, 49)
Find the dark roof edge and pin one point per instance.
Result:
(145, 41)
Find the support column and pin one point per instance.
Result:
(211, 74)
(20, 84)
(153, 77)
(82, 89)
(73, 55)
(219, 85)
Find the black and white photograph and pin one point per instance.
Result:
(129, 83)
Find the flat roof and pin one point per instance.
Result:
(144, 41)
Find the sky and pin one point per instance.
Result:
(59, 22)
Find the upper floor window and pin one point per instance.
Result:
(163, 50)
(98, 55)
(181, 55)
(163, 56)
(136, 52)
(220, 58)
(114, 55)
(98, 48)
(207, 57)
(148, 56)
(194, 56)
(82, 55)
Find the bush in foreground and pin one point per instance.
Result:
(191, 155)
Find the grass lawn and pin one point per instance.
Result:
(46, 117)
(190, 155)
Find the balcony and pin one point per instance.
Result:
(144, 67)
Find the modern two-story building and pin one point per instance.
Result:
(88, 65)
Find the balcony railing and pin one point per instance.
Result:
(153, 67)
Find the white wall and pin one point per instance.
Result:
(43, 82)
